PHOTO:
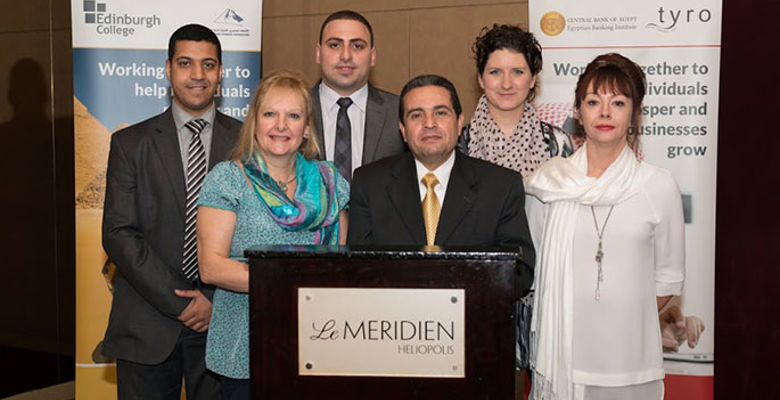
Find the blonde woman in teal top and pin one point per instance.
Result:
(272, 192)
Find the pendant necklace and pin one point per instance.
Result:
(283, 184)
(600, 252)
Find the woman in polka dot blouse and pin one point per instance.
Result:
(505, 129)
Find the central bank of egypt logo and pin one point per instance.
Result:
(552, 23)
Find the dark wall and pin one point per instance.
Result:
(747, 268)
(37, 300)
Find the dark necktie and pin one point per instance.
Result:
(342, 151)
(196, 171)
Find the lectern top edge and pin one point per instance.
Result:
(384, 252)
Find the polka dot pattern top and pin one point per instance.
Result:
(524, 151)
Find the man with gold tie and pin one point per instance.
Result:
(435, 195)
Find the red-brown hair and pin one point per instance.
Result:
(614, 73)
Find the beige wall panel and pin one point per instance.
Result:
(445, 47)
(275, 8)
(391, 33)
(362, 6)
(31, 15)
(452, 3)
(288, 43)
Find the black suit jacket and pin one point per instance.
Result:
(484, 206)
(143, 234)
(381, 137)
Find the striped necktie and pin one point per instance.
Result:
(342, 152)
(196, 171)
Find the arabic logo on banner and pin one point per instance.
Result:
(230, 17)
(670, 19)
(230, 23)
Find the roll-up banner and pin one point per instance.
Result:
(677, 44)
(119, 53)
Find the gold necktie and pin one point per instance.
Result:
(431, 208)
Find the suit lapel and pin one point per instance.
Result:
(404, 194)
(221, 145)
(375, 120)
(458, 200)
(317, 108)
(167, 146)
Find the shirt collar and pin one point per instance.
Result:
(181, 117)
(442, 172)
(329, 97)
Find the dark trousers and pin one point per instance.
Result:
(235, 389)
(163, 381)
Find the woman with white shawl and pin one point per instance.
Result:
(609, 230)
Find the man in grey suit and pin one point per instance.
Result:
(355, 122)
(161, 311)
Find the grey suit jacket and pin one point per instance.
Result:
(143, 233)
(484, 206)
(381, 137)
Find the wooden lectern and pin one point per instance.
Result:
(478, 284)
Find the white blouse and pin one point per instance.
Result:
(617, 340)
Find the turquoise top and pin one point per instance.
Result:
(227, 348)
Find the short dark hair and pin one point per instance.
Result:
(348, 15)
(196, 33)
(508, 37)
(429, 80)
(618, 74)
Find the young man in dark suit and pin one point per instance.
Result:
(161, 311)
(355, 122)
(436, 195)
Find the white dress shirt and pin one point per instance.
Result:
(357, 119)
(442, 174)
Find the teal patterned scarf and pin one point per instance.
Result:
(314, 206)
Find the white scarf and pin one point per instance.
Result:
(564, 184)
